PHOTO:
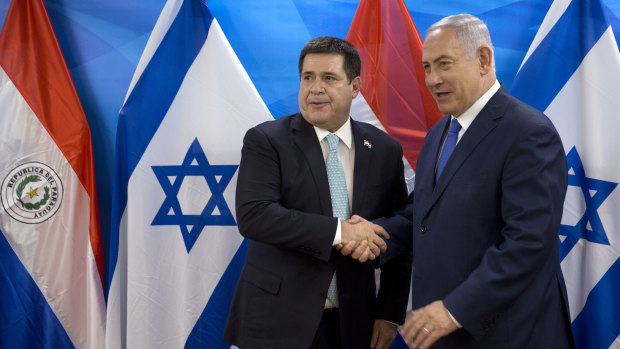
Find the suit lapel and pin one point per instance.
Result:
(306, 140)
(425, 172)
(483, 124)
(361, 168)
(434, 147)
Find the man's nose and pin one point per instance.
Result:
(432, 78)
(318, 86)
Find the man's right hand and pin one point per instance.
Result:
(362, 239)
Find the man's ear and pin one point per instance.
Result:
(356, 84)
(485, 59)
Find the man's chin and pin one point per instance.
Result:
(316, 120)
(444, 109)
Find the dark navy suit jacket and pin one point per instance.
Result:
(485, 236)
(284, 207)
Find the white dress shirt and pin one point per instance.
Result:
(346, 155)
(470, 114)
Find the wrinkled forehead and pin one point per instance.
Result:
(442, 42)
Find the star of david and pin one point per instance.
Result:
(589, 227)
(171, 177)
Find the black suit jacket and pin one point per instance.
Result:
(485, 235)
(284, 208)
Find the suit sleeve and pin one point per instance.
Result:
(261, 216)
(395, 283)
(400, 228)
(533, 186)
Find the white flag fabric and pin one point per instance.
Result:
(572, 73)
(51, 256)
(176, 252)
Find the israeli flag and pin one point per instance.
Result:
(572, 73)
(176, 252)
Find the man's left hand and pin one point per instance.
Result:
(383, 334)
(427, 324)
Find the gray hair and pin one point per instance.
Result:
(470, 30)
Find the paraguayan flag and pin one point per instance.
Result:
(51, 255)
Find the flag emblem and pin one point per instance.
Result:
(32, 192)
(215, 211)
(595, 192)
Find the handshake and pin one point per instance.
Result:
(362, 239)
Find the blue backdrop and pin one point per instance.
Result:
(102, 41)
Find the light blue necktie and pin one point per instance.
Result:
(448, 147)
(339, 195)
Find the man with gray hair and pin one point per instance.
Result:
(489, 192)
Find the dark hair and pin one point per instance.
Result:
(327, 44)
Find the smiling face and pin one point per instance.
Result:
(325, 94)
(455, 81)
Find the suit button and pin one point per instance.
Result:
(423, 229)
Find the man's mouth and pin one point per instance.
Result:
(440, 96)
(317, 104)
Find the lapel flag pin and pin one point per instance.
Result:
(367, 144)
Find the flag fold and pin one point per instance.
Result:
(51, 257)
(571, 72)
(394, 93)
(176, 252)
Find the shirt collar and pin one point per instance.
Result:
(344, 133)
(470, 114)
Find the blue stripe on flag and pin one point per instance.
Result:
(150, 100)
(560, 53)
(26, 319)
(598, 324)
(209, 328)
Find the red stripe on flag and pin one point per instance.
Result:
(31, 57)
(392, 73)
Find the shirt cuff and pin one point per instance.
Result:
(393, 323)
(338, 237)
(454, 320)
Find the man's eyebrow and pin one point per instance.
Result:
(442, 57)
(438, 59)
(319, 73)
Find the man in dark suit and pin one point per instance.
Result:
(286, 206)
(485, 218)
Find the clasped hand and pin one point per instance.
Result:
(362, 239)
